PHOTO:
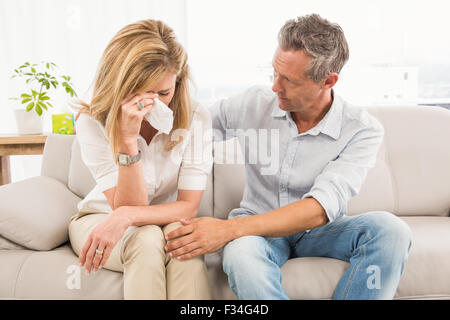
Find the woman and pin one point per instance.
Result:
(122, 222)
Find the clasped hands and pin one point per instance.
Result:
(195, 237)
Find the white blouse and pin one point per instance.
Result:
(185, 167)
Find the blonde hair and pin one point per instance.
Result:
(138, 56)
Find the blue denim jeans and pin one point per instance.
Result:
(375, 244)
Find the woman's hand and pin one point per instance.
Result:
(103, 238)
(130, 116)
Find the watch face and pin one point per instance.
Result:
(123, 159)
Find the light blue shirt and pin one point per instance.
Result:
(329, 162)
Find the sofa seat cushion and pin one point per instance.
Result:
(35, 212)
(427, 272)
(426, 275)
(55, 274)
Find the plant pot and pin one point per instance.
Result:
(29, 122)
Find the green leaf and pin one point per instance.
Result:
(26, 100)
(49, 104)
(45, 98)
(48, 65)
(30, 106)
(42, 105)
(38, 110)
(67, 89)
(24, 95)
(33, 70)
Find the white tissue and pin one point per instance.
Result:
(160, 117)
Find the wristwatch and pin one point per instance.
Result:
(126, 159)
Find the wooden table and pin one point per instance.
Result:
(14, 144)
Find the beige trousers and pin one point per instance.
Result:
(148, 271)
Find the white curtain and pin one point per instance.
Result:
(73, 35)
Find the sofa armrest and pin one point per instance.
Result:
(35, 212)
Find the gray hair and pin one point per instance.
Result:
(322, 40)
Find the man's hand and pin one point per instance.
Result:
(198, 236)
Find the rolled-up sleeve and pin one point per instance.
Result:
(197, 159)
(96, 152)
(343, 177)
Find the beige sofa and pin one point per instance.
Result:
(411, 179)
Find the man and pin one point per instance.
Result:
(325, 149)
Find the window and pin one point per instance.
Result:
(398, 49)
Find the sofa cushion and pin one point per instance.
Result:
(35, 212)
(417, 155)
(229, 177)
(427, 272)
(312, 277)
(56, 157)
(55, 274)
(6, 244)
(80, 179)
(11, 262)
(205, 208)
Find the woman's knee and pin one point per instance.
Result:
(143, 241)
(80, 228)
(170, 227)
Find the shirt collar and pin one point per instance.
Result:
(329, 125)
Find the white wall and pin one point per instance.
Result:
(72, 34)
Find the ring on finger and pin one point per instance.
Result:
(140, 105)
(99, 252)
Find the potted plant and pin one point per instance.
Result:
(36, 98)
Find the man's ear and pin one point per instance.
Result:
(330, 80)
